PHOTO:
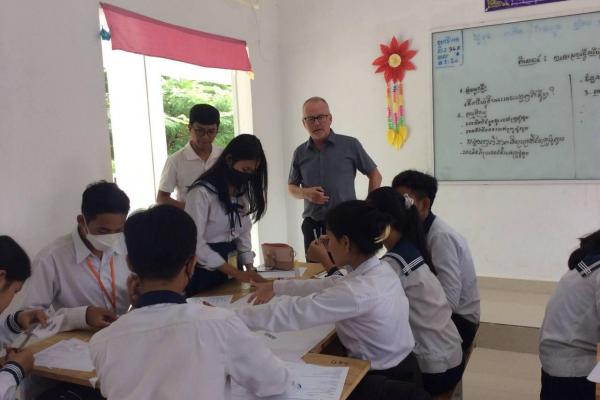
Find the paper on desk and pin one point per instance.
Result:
(54, 324)
(594, 376)
(309, 382)
(277, 274)
(217, 301)
(73, 354)
(301, 271)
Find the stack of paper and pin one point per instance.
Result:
(71, 354)
(217, 301)
(310, 382)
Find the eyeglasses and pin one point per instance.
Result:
(312, 120)
(202, 131)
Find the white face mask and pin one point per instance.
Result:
(103, 242)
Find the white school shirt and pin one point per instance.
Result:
(455, 269)
(183, 167)
(437, 341)
(11, 374)
(212, 222)
(368, 306)
(61, 278)
(571, 328)
(183, 351)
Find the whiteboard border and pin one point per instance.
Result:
(483, 24)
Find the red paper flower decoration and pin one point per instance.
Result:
(395, 60)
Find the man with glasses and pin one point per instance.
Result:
(185, 165)
(324, 167)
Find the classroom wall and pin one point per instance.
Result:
(523, 230)
(53, 125)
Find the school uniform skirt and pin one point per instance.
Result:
(205, 279)
(404, 381)
(571, 388)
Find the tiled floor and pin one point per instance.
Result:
(501, 375)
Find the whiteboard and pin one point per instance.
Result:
(518, 101)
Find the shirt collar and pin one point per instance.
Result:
(160, 297)
(428, 222)
(365, 266)
(82, 252)
(189, 153)
(331, 138)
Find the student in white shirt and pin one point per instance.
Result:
(368, 306)
(15, 268)
(437, 341)
(571, 328)
(166, 348)
(449, 252)
(83, 274)
(184, 166)
(221, 202)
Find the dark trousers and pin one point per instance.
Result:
(555, 388)
(206, 279)
(309, 227)
(403, 381)
(443, 382)
(466, 330)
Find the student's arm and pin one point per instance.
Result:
(374, 179)
(444, 255)
(42, 288)
(252, 364)
(168, 182)
(165, 198)
(244, 243)
(13, 372)
(333, 304)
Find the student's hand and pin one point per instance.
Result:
(263, 293)
(99, 318)
(134, 286)
(315, 194)
(24, 358)
(26, 319)
(249, 276)
(317, 251)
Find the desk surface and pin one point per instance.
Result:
(357, 368)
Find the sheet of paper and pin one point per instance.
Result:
(301, 271)
(73, 354)
(594, 376)
(54, 324)
(309, 382)
(277, 274)
(217, 301)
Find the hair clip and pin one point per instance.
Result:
(384, 235)
(408, 201)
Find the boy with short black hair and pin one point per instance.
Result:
(184, 166)
(449, 252)
(166, 347)
(83, 275)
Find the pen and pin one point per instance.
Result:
(29, 334)
(315, 234)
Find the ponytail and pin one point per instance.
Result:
(365, 226)
(405, 218)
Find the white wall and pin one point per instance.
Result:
(514, 230)
(53, 129)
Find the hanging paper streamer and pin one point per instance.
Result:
(393, 62)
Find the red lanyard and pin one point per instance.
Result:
(112, 299)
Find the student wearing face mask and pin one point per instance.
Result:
(221, 202)
(83, 275)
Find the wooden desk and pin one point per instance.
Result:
(357, 368)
